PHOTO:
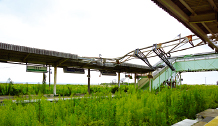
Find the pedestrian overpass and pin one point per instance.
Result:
(186, 63)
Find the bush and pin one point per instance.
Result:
(125, 89)
(132, 108)
(114, 89)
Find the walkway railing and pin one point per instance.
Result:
(185, 63)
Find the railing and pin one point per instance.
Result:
(173, 60)
(156, 73)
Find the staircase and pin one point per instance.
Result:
(186, 63)
(159, 75)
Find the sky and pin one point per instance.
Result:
(111, 28)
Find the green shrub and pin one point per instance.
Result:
(114, 89)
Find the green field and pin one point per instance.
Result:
(127, 108)
(63, 90)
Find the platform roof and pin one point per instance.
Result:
(26, 55)
(200, 16)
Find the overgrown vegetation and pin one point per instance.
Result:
(126, 108)
(63, 90)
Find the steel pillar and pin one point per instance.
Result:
(175, 81)
(150, 79)
(165, 79)
(171, 79)
(159, 81)
(43, 77)
(89, 81)
(150, 84)
(49, 77)
(135, 80)
(118, 79)
(55, 79)
(180, 79)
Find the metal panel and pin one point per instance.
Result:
(108, 73)
(37, 69)
(197, 65)
(74, 70)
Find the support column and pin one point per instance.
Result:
(180, 79)
(150, 84)
(175, 80)
(49, 77)
(159, 81)
(165, 79)
(118, 79)
(44, 77)
(135, 80)
(150, 79)
(171, 79)
(55, 79)
(89, 81)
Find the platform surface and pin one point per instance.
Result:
(185, 122)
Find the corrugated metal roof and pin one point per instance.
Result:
(23, 54)
(199, 16)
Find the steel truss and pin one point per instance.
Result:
(162, 50)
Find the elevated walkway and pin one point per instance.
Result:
(185, 63)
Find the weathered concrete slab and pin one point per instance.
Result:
(207, 119)
(185, 122)
(213, 122)
(200, 123)
(207, 113)
(6, 97)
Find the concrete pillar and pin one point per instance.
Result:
(55, 79)
(150, 84)
(159, 81)
(135, 80)
(165, 78)
(49, 76)
(44, 77)
(118, 79)
(171, 79)
(180, 79)
(89, 81)
(175, 81)
(150, 79)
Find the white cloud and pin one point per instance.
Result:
(84, 27)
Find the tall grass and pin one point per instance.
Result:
(63, 90)
(132, 108)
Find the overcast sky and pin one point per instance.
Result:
(111, 28)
